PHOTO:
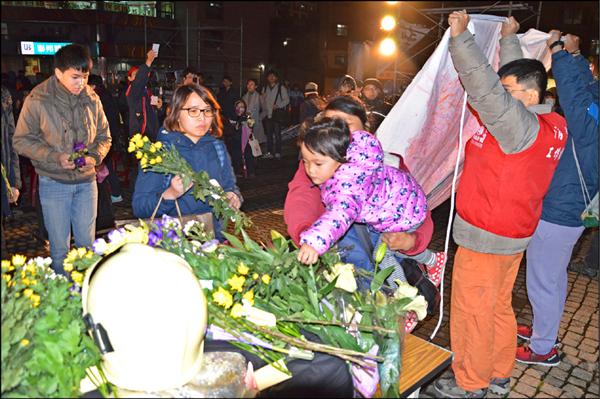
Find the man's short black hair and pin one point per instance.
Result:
(73, 56)
(252, 80)
(187, 71)
(529, 73)
(95, 80)
(227, 77)
(329, 137)
(272, 72)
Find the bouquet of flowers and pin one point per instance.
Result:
(157, 158)
(45, 349)
(78, 155)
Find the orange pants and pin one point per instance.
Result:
(483, 328)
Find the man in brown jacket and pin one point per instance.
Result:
(60, 114)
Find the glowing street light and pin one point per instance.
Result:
(388, 23)
(392, 3)
(387, 46)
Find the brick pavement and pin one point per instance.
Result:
(576, 376)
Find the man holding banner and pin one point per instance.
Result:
(508, 166)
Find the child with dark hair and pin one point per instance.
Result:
(357, 187)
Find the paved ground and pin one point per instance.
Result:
(577, 374)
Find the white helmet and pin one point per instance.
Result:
(147, 312)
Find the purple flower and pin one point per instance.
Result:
(210, 246)
(79, 147)
(172, 235)
(79, 162)
(154, 237)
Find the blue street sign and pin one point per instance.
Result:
(41, 48)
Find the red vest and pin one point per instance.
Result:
(502, 193)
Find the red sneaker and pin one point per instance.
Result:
(527, 356)
(410, 322)
(436, 270)
(525, 332)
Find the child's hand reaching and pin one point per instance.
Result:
(308, 255)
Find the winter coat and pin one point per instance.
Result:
(10, 159)
(364, 190)
(208, 154)
(577, 90)
(52, 121)
(252, 101)
(143, 117)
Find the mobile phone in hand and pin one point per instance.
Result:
(155, 47)
(154, 100)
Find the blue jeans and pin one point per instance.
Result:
(66, 206)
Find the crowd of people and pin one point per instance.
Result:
(521, 186)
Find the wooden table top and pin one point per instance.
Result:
(421, 361)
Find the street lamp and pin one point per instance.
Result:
(388, 23)
(387, 47)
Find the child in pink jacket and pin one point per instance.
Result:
(357, 187)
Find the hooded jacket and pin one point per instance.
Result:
(52, 121)
(364, 190)
(577, 91)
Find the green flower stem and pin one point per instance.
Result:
(334, 323)
(345, 354)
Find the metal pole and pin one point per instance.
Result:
(241, 51)
(145, 37)
(509, 9)
(187, 51)
(539, 14)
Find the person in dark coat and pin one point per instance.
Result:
(377, 107)
(313, 104)
(227, 98)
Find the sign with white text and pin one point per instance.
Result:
(41, 48)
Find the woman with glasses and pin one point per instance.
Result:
(193, 127)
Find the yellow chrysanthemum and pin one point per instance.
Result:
(158, 145)
(6, 277)
(24, 342)
(30, 267)
(89, 254)
(237, 310)
(71, 256)
(137, 235)
(35, 300)
(222, 297)
(81, 252)
(152, 148)
(26, 282)
(67, 266)
(131, 148)
(243, 269)
(18, 260)
(236, 282)
(266, 278)
(145, 139)
(143, 161)
(5, 264)
(249, 296)
(139, 155)
(255, 276)
(27, 292)
(158, 159)
(77, 277)
(136, 137)
(152, 161)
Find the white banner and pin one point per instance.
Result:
(423, 126)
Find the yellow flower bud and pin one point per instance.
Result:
(67, 266)
(158, 159)
(5, 264)
(249, 296)
(138, 155)
(24, 342)
(145, 139)
(266, 278)
(152, 148)
(237, 311)
(255, 276)
(131, 147)
(27, 292)
(236, 283)
(18, 260)
(152, 162)
(143, 161)
(243, 269)
(158, 145)
(77, 277)
(81, 252)
(35, 300)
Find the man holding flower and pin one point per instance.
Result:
(63, 130)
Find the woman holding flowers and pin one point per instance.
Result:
(193, 127)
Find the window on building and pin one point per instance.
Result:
(341, 30)
(167, 9)
(339, 60)
(214, 10)
(147, 8)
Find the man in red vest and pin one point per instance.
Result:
(507, 170)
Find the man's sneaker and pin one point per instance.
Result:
(435, 271)
(116, 198)
(525, 332)
(527, 356)
(268, 155)
(500, 386)
(448, 389)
